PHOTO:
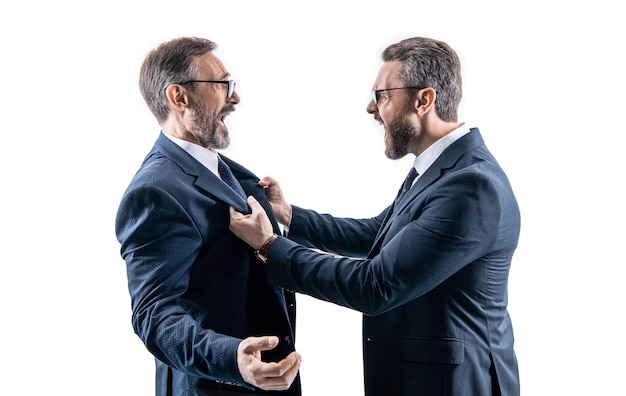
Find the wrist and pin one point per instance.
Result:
(261, 253)
(286, 217)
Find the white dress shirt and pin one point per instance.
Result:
(203, 155)
(430, 155)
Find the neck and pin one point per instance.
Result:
(432, 133)
(178, 130)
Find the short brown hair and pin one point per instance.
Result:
(430, 63)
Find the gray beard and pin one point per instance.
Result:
(205, 129)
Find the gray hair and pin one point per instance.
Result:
(171, 62)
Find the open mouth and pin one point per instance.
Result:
(225, 113)
(223, 118)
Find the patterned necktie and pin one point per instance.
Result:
(228, 178)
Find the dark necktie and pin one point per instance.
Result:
(408, 182)
(228, 178)
(406, 186)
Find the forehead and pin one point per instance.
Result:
(388, 75)
(210, 67)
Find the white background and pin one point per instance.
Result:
(543, 80)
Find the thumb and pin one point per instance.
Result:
(264, 343)
(254, 204)
(232, 211)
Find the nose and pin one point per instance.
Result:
(234, 98)
(371, 107)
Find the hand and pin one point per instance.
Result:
(335, 255)
(274, 193)
(254, 228)
(266, 375)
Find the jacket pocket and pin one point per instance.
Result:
(433, 350)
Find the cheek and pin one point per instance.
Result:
(387, 115)
(382, 112)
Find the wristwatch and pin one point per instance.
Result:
(261, 254)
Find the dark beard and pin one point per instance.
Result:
(400, 133)
(205, 127)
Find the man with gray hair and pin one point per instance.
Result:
(200, 303)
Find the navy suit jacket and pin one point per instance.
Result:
(196, 289)
(433, 288)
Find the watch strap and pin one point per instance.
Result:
(261, 254)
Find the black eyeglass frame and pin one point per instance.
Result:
(231, 85)
(376, 92)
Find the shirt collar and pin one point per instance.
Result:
(203, 155)
(430, 155)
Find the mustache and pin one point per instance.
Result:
(228, 109)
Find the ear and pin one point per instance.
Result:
(177, 97)
(425, 100)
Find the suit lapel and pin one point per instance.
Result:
(206, 180)
(422, 182)
(446, 160)
(213, 186)
(250, 184)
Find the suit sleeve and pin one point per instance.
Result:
(344, 236)
(160, 242)
(456, 225)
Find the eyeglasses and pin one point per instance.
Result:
(231, 85)
(376, 92)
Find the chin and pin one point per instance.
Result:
(394, 154)
(226, 139)
(223, 138)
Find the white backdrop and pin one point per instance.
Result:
(543, 80)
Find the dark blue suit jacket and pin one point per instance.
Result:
(197, 290)
(434, 285)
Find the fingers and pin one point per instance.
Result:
(266, 375)
(335, 255)
(273, 192)
(286, 372)
(279, 375)
(253, 344)
(254, 228)
(234, 214)
(254, 205)
(267, 182)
